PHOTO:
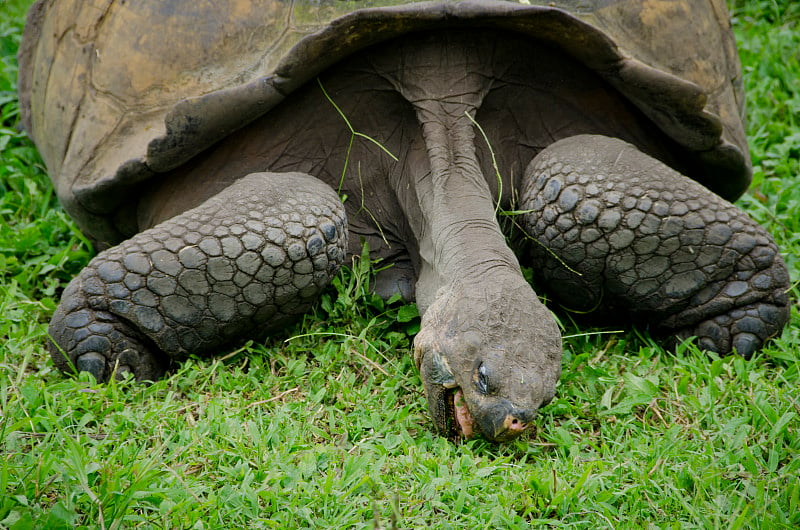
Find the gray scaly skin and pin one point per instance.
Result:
(640, 239)
(489, 352)
(246, 261)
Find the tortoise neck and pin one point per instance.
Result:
(459, 237)
(465, 238)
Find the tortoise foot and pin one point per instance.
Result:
(743, 330)
(143, 368)
(87, 338)
(245, 262)
(623, 236)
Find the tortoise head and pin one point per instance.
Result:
(488, 358)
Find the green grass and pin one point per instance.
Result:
(330, 429)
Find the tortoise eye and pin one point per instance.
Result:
(482, 383)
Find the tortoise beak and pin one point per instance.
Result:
(502, 421)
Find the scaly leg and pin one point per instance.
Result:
(244, 262)
(636, 239)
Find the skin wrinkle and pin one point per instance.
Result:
(467, 230)
(483, 269)
(460, 232)
(487, 268)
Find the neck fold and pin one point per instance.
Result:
(464, 234)
(459, 237)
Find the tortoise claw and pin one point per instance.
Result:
(746, 344)
(122, 372)
(94, 363)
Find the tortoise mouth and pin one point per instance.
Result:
(459, 424)
(462, 422)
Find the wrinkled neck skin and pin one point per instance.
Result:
(486, 341)
(460, 241)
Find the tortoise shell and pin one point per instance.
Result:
(115, 93)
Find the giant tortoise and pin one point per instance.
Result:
(228, 155)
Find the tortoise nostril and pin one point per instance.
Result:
(515, 424)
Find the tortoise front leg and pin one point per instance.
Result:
(635, 238)
(244, 262)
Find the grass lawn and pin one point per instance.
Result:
(330, 429)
